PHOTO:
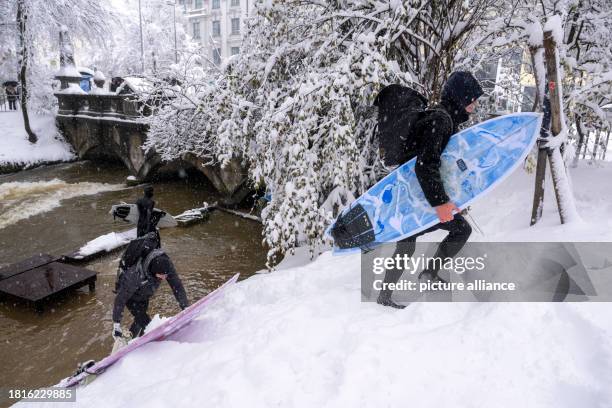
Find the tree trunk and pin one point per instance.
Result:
(580, 140)
(22, 18)
(563, 192)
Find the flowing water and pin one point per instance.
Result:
(57, 209)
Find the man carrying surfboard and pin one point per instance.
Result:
(430, 136)
(141, 270)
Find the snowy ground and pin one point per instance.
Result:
(300, 337)
(505, 214)
(15, 150)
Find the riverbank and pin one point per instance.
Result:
(300, 337)
(55, 210)
(16, 153)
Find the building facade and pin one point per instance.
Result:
(506, 83)
(218, 25)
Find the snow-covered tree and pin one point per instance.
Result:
(37, 27)
(293, 105)
(187, 110)
(588, 66)
(121, 54)
(8, 43)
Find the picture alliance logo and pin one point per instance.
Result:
(414, 263)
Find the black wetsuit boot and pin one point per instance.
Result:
(459, 231)
(384, 297)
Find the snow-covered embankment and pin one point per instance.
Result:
(301, 337)
(16, 152)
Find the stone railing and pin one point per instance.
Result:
(109, 126)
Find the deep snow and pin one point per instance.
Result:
(300, 337)
(15, 148)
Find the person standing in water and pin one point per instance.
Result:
(142, 268)
(145, 206)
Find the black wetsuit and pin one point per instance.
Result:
(134, 292)
(145, 210)
(433, 132)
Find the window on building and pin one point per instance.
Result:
(216, 4)
(235, 50)
(235, 26)
(216, 28)
(528, 97)
(197, 4)
(217, 56)
(196, 30)
(235, 3)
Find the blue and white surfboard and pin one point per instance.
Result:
(474, 161)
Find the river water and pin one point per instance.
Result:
(57, 209)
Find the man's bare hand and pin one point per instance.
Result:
(445, 211)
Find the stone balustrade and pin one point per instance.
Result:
(108, 126)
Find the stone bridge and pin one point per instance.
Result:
(104, 125)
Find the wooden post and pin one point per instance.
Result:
(550, 54)
(538, 194)
(557, 166)
(91, 283)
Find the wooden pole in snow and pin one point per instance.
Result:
(558, 170)
(550, 54)
(538, 194)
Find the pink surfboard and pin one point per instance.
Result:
(162, 331)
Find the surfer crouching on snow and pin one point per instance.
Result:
(142, 268)
(432, 133)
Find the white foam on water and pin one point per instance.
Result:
(22, 200)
